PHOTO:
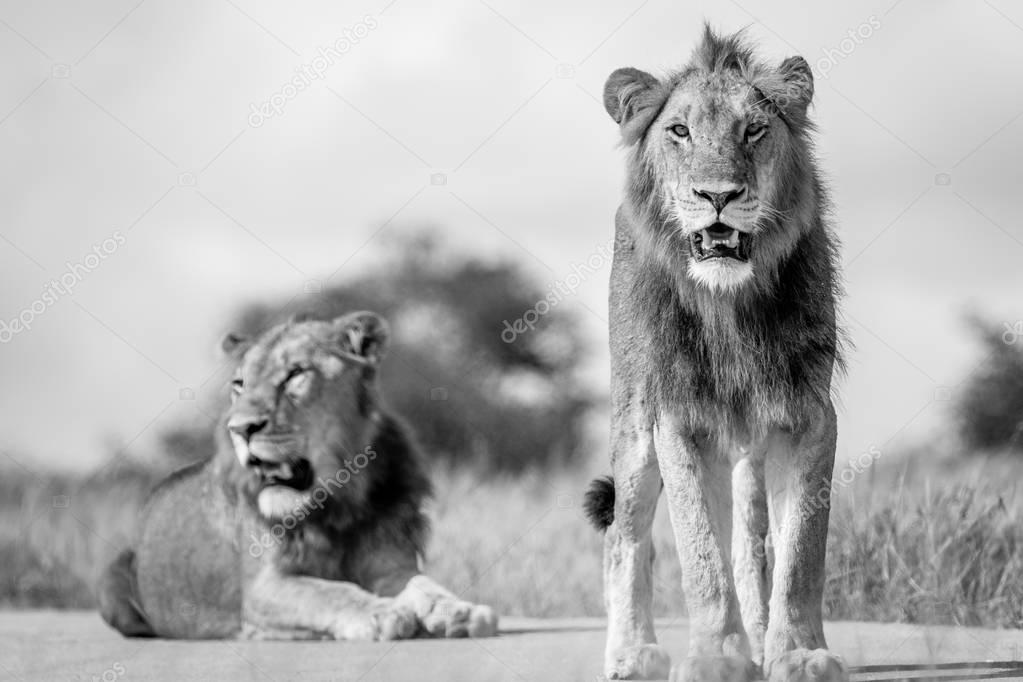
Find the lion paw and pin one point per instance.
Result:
(642, 662)
(715, 669)
(442, 614)
(386, 620)
(396, 621)
(482, 621)
(804, 665)
(457, 618)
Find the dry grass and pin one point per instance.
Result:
(917, 547)
(938, 542)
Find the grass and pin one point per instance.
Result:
(944, 547)
(925, 540)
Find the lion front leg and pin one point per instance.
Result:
(697, 482)
(441, 613)
(749, 551)
(632, 651)
(798, 473)
(289, 607)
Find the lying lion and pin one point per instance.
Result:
(307, 523)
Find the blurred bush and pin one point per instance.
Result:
(473, 399)
(989, 405)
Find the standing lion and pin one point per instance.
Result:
(307, 523)
(723, 346)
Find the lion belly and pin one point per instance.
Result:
(188, 562)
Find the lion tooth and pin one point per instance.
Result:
(709, 242)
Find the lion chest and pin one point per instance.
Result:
(727, 373)
(315, 552)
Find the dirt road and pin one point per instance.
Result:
(37, 645)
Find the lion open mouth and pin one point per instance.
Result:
(719, 241)
(277, 466)
(297, 475)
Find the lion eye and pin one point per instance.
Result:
(679, 130)
(236, 387)
(755, 131)
(296, 379)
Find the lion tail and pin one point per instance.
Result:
(118, 598)
(599, 502)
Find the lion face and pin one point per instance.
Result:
(714, 143)
(713, 150)
(302, 410)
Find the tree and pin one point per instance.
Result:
(989, 407)
(474, 395)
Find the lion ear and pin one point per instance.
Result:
(798, 78)
(233, 345)
(633, 98)
(364, 334)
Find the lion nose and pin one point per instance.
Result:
(720, 199)
(247, 426)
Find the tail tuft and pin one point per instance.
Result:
(599, 502)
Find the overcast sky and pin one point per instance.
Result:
(137, 154)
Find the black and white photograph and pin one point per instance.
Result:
(497, 340)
